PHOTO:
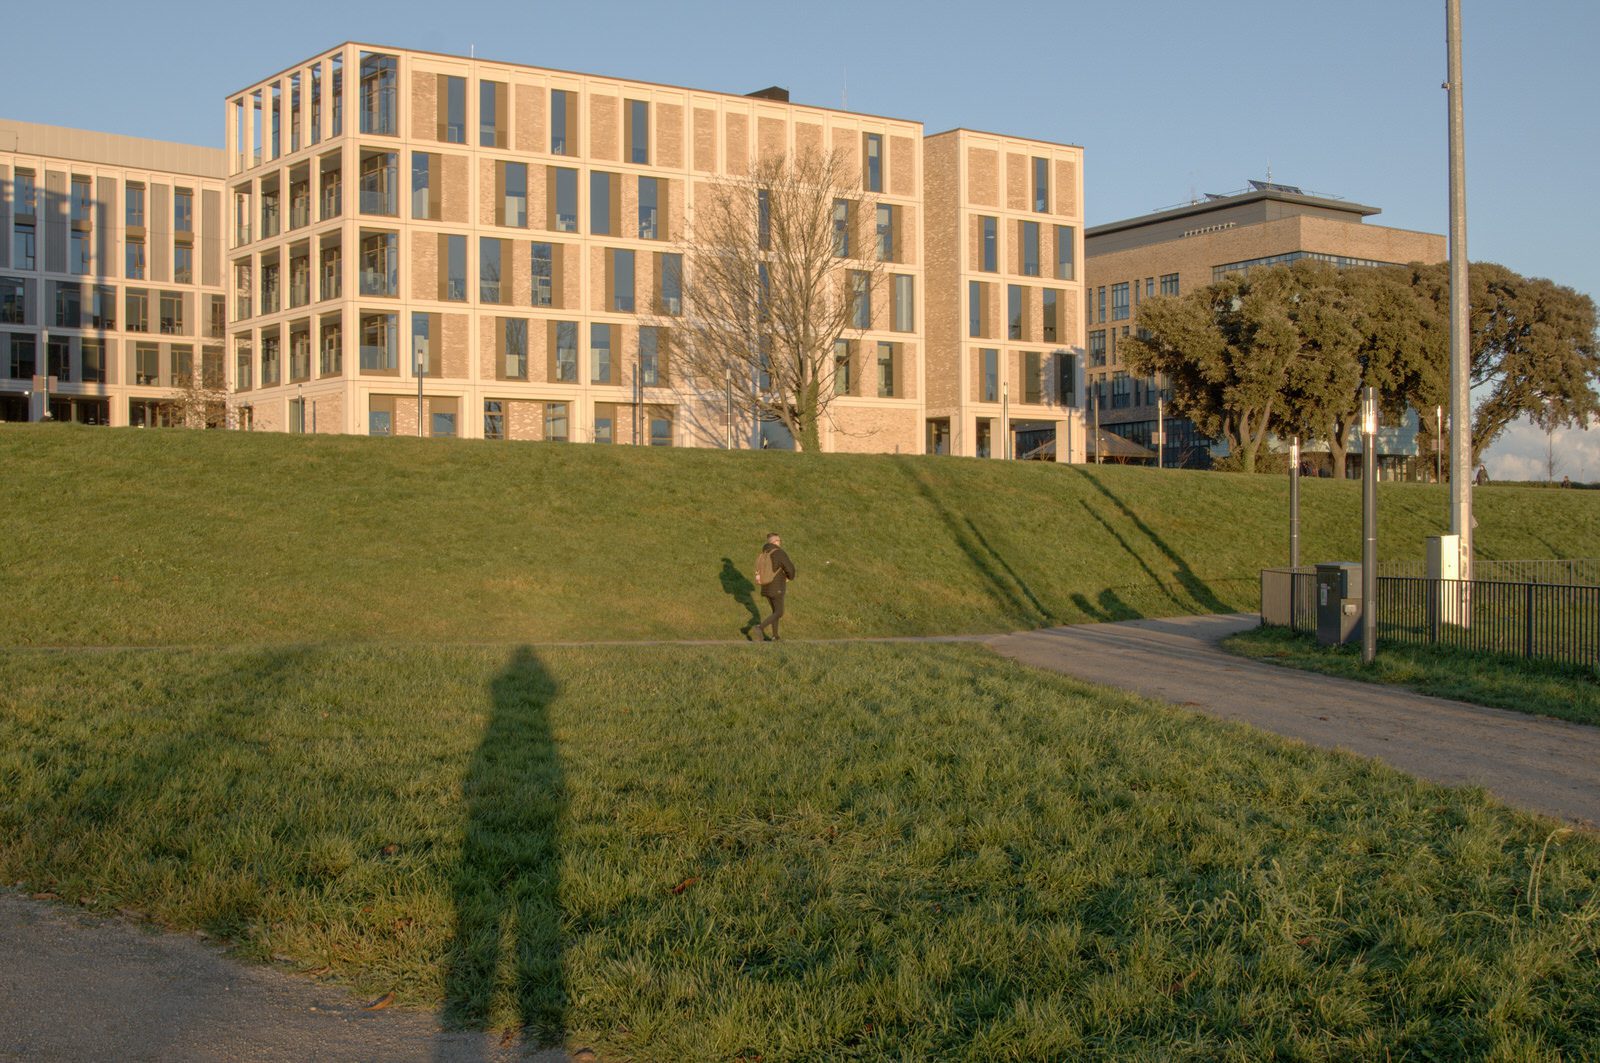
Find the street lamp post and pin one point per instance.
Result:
(1294, 503)
(1460, 383)
(1369, 523)
(419, 356)
(44, 335)
(1161, 431)
(1005, 419)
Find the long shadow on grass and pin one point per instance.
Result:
(506, 954)
(740, 589)
(1007, 588)
(1193, 584)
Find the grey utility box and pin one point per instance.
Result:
(1338, 603)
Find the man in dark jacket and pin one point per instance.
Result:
(782, 572)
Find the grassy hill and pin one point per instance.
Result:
(122, 537)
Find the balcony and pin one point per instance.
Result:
(241, 233)
(300, 213)
(379, 281)
(300, 291)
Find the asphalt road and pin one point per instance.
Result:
(1533, 762)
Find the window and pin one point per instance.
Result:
(991, 374)
(1100, 299)
(841, 228)
(1119, 301)
(182, 264)
(146, 365)
(1149, 287)
(133, 199)
(332, 360)
(297, 416)
(380, 422)
(1030, 248)
(24, 193)
(443, 424)
(563, 104)
(601, 186)
(599, 353)
(172, 313)
(491, 114)
(1066, 243)
(566, 352)
(138, 310)
(453, 282)
(669, 272)
(182, 364)
(377, 94)
(332, 192)
(904, 302)
(842, 358)
(23, 247)
(380, 260)
(1097, 347)
(1041, 185)
(975, 306)
(1067, 379)
(488, 270)
(243, 289)
(1169, 284)
(564, 218)
(886, 232)
(860, 300)
(13, 301)
(886, 359)
(543, 275)
(453, 127)
(332, 271)
(424, 358)
(1051, 314)
(514, 200)
(660, 432)
(294, 112)
(269, 212)
(872, 173)
(22, 356)
(182, 210)
(638, 131)
(380, 179)
(1121, 390)
(300, 203)
(991, 245)
(269, 359)
(650, 369)
(1014, 327)
(494, 419)
(378, 340)
(82, 200)
(92, 360)
(69, 306)
(602, 428)
(135, 260)
(316, 104)
(1032, 378)
(78, 256)
(555, 422)
(243, 362)
(649, 208)
(763, 219)
(620, 279)
(513, 348)
(424, 196)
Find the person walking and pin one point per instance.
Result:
(774, 570)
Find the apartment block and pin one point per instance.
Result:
(510, 238)
(1174, 251)
(1005, 332)
(111, 274)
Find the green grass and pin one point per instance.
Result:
(803, 852)
(129, 537)
(1542, 688)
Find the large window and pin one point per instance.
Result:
(991, 245)
(147, 365)
(1169, 284)
(872, 152)
(975, 299)
(991, 374)
(13, 301)
(424, 186)
(669, 269)
(1097, 347)
(563, 104)
(380, 180)
(332, 362)
(1030, 248)
(377, 94)
(453, 281)
(566, 352)
(514, 201)
(380, 263)
(619, 283)
(601, 187)
(843, 356)
(1066, 237)
(491, 114)
(649, 209)
(489, 271)
(134, 267)
(453, 115)
(1041, 185)
(182, 264)
(564, 203)
(243, 364)
(638, 131)
(134, 201)
(92, 360)
(22, 356)
(1014, 321)
(271, 359)
(379, 339)
(69, 306)
(1032, 377)
(1051, 314)
(599, 353)
(24, 248)
(651, 371)
(182, 210)
(172, 314)
(904, 302)
(1119, 301)
(886, 232)
(138, 316)
(544, 272)
(494, 419)
(841, 228)
(886, 358)
(860, 300)
(660, 431)
(513, 348)
(555, 422)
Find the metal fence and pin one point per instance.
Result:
(1537, 619)
(1582, 571)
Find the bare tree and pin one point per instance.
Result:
(777, 269)
(199, 399)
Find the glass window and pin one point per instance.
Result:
(332, 271)
(380, 263)
(316, 104)
(566, 351)
(491, 133)
(841, 367)
(514, 348)
(991, 374)
(671, 284)
(182, 264)
(172, 313)
(638, 131)
(1169, 284)
(1032, 378)
(423, 202)
(22, 356)
(494, 419)
(454, 130)
(83, 200)
(377, 93)
(92, 359)
(566, 200)
(1066, 237)
(621, 280)
(1119, 301)
(23, 248)
(602, 430)
(763, 219)
(455, 278)
(600, 185)
(1097, 347)
(543, 275)
(69, 306)
(975, 291)
(1051, 314)
(1041, 185)
(138, 316)
(1030, 249)
(380, 423)
(380, 180)
(78, 256)
(649, 356)
(555, 422)
(649, 192)
(134, 267)
(24, 193)
(1014, 311)
(422, 356)
(599, 353)
(244, 363)
(488, 270)
(134, 200)
(660, 432)
(147, 365)
(182, 210)
(379, 338)
(443, 426)
(841, 228)
(13, 301)
(991, 245)
(886, 353)
(1100, 300)
(904, 302)
(514, 209)
(886, 232)
(560, 101)
(872, 174)
(332, 349)
(860, 300)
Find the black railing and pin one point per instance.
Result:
(1582, 571)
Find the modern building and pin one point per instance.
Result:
(1174, 251)
(1005, 236)
(111, 283)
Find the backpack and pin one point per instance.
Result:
(764, 569)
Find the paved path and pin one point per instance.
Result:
(1537, 763)
(76, 987)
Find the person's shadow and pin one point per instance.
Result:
(507, 951)
(741, 590)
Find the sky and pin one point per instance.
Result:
(1168, 99)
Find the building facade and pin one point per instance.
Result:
(1175, 251)
(1005, 336)
(111, 274)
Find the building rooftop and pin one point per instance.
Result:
(111, 149)
(1259, 193)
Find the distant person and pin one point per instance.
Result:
(774, 570)
(1483, 476)
(1566, 481)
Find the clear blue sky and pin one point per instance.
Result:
(1167, 98)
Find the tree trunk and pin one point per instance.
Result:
(1337, 450)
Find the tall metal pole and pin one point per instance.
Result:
(1099, 444)
(1161, 431)
(1369, 523)
(419, 356)
(1005, 419)
(1438, 444)
(1294, 503)
(1460, 399)
(728, 443)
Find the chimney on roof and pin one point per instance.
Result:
(772, 93)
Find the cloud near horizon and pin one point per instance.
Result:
(1523, 451)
